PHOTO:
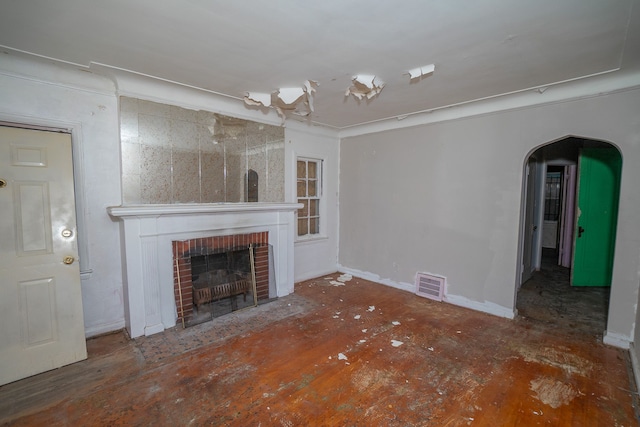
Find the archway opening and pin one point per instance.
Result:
(568, 233)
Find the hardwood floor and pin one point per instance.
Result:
(362, 354)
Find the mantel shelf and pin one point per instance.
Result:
(148, 233)
(199, 208)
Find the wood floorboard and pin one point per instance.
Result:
(362, 354)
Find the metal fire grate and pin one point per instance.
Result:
(430, 286)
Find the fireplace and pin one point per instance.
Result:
(214, 276)
(151, 234)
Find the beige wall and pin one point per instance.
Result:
(445, 198)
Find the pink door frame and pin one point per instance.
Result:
(568, 216)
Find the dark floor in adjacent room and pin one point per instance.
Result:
(361, 354)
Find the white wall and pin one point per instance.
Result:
(445, 198)
(38, 92)
(41, 93)
(318, 256)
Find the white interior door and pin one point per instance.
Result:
(565, 254)
(529, 226)
(41, 318)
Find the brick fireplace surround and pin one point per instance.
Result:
(183, 250)
(148, 236)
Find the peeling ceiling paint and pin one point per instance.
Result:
(365, 86)
(288, 100)
(482, 49)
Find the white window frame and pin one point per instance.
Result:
(320, 162)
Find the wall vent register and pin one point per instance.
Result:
(430, 286)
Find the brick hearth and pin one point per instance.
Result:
(183, 250)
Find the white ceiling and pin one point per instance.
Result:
(480, 48)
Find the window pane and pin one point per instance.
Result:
(313, 185)
(304, 211)
(314, 226)
(308, 194)
(302, 227)
(313, 207)
(302, 189)
(302, 169)
(312, 170)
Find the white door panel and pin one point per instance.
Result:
(529, 228)
(41, 322)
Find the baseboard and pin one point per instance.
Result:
(635, 366)
(616, 340)
(103, 329)
(409, 287)
(484, 307)
(314, 275)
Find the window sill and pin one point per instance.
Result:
(310, 240)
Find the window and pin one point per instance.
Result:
(552, 197)
(309, 194)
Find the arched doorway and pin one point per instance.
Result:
(568, 224)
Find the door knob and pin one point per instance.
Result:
(68, 260)
(3, 183)
(580, 231)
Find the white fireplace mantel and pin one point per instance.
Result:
(148, 231)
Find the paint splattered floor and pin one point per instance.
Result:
(358, 354)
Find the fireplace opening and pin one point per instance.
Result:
(214, 276)
(222, 283)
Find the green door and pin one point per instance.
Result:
(597, 215)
